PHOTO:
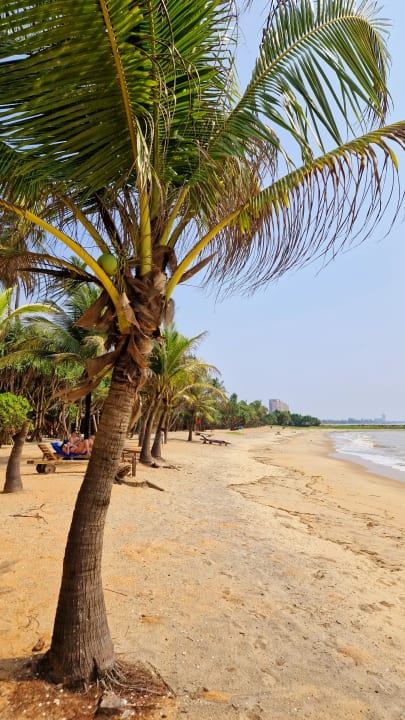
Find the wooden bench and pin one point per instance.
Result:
(129, 456)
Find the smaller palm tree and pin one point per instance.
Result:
(8, 316)
(172, 368)
(200, 401)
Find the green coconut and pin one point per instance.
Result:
(108, 263)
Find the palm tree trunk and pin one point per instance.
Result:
(81, 648)
(13, 471)
(87, 417)
(144, 419)
(156, 451)
(191, 425)
(146, 456)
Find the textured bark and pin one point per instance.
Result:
(191, 425)
(135, 415)
(156, 451)
(146, 456)
(144, 420)
(87, 417)
(13, 471)
(81, 648)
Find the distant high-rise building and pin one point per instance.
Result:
(278, 405)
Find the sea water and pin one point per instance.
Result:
(381, 451)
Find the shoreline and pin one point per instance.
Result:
(373, 467)
(265, 582)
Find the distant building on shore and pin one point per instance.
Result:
(364, 421)
(278, 405)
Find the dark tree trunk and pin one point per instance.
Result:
(191, 427)
(81, 648)
(13, 471)
(146, 456)
(157, 443)
(86, 425)
(144, 420)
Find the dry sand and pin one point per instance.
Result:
(265, 583)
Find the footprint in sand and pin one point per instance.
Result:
(369, 608)
(358, 655)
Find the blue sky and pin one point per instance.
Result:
(328, 342)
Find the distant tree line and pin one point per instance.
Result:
(238, 413)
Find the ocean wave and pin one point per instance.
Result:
(382, 448)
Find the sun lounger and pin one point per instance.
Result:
(53, 456)
(57, 449)
(213, 441)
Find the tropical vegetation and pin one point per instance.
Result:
(123, 133)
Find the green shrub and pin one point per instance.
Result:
(13, 413)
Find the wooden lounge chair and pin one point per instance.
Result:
(51, 458)
(213, 441)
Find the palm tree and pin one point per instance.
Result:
(171, 364)
(200, 400)
(73, 343)
(9, 316)
(124, 134)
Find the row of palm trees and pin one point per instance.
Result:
(43, 355)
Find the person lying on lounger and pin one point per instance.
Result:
(69, 446)
(78, 446)
(83, 447)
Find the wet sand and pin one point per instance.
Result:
(265, 582)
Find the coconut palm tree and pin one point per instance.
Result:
(9, 316)
(200, 400)
(171, 364)
(72, 342)
(124, 136)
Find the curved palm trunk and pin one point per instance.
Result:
(144, 421)
(157, 443)
(13, 471)
(146, 456)
(135, 415)
(81, 647)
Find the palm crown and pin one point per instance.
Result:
(124, 119)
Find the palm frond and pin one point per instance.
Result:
(314, 211)
(321, 66)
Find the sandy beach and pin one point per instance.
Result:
(265, 583)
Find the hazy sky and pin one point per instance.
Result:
(328, 343)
